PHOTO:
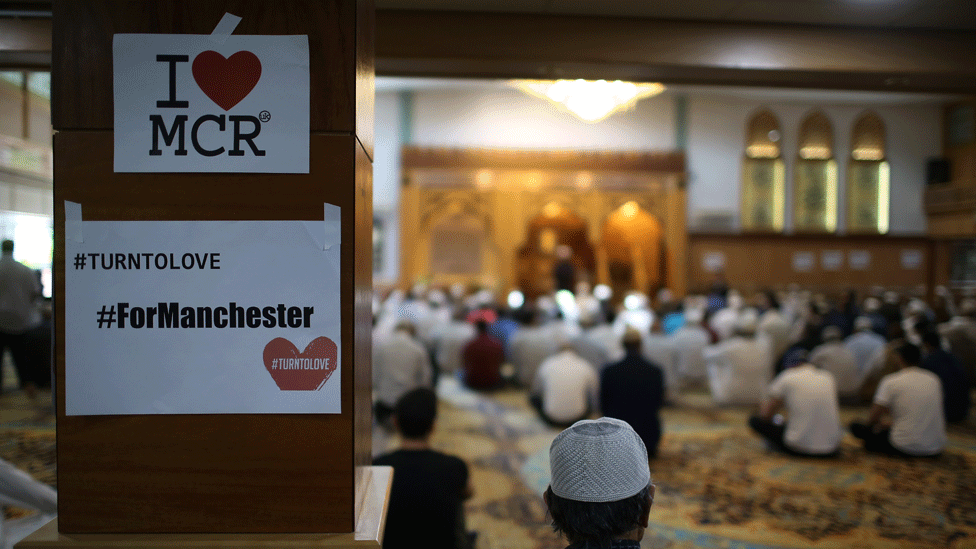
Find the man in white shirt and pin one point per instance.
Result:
(812, 427)
(659, 349)
(723, 322)
(832, 356)
(400, 364)
(739, 368)
(596, 342)
(863, 344)
(451, 342)
(689, 343)
(565, 388)
(529, 346)
(772, 324)
(912, 399)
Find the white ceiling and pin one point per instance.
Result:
(941, 14)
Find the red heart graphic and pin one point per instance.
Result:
(226, 80)
(305, 371)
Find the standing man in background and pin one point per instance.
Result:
(20, 314)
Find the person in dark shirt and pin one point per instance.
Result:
(564, 272)
(429, 488)
(482, 360)
(632, 390)
(955, 385)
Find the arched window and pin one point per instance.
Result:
(868, 177)
(815, 177)
(762, 175)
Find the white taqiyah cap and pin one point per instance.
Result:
(631, 335)
(598, 460)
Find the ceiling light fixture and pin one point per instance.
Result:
(589, 100)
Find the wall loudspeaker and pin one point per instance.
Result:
(937, 171)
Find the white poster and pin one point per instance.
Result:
(188, 103)
(859, 260)
(713, 262)
(803, 262)
(831, 260)
(202, 317)
(911, 259)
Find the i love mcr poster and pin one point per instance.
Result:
(205, 316)
(187, 103)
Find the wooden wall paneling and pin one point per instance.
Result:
(81, 89)
(676, 238)
(238, 472)
(362, 424)
(431, 43)
(365, 76)
(216, 473)
(26, 43)
(650, 178)
(754, 262)
(509, 159)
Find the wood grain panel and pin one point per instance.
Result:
(216, 473)
(485, 45)
(82, 55)
(756, 262)
(368, 534)
(363, 276)
(365, 74)
(501, 159)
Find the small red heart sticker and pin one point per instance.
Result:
(305, 371)
(226, 81)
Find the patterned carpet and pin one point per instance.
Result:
(718, 486)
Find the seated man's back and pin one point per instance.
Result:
(632, 390)
(429, 487)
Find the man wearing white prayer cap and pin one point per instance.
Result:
(600, 493)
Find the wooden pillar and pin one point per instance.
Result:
(260, 473)
(676, 237)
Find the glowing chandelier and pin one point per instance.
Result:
(589, 100)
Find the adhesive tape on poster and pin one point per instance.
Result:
(224, 28)
(72, 222)
(333, 226)
(327, 234)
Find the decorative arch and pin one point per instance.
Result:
(816, 137)
(868, 177)
(457, 234)
(868, 137)
(633, 244)
(763, 176)
(508, 190)
(815, 177)
(763, 135)
(555, 225)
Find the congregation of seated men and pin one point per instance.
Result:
(793, 356)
